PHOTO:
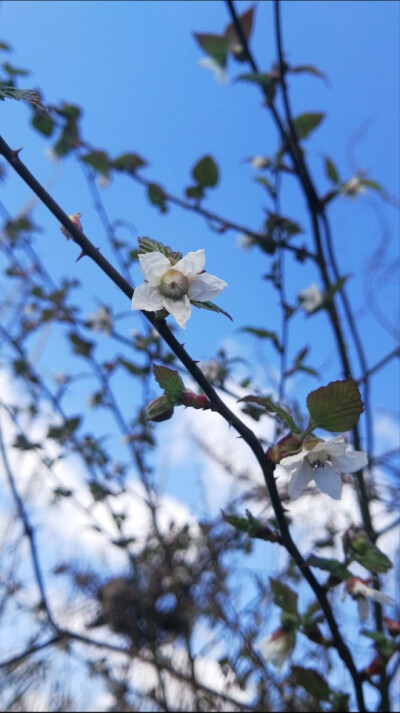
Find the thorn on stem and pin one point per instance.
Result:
(15, 153)
(82, 254)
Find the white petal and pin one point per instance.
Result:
(379, 597)
(205, 287)
(328, 481)
(292, 462)
(350, 461)
(180, 309)
(363, 608)
(191, 264)
(154, 265)
(335, 446)
(147, 297)
(300, 479)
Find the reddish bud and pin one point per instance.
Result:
(189, 398)
(393, 626)
(375, 667)
(288, 446)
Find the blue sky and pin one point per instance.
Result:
(133, 67)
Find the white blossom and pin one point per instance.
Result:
(324, 463)
(220, 73)
(353, 187)
(259, 162)
(276, 647)
(310, 298)
(173, 286)
(100, 321)
(360, 591)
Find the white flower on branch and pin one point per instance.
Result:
(172, 287)
(323, 462)
(353, 187)
(100, 321)
(220, 73)
(360, 591)
(310, 298)
(276, 647)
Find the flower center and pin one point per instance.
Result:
(174, 285)
(317, 460)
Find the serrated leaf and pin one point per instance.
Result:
(331, 171)
(284, 597)
(79, 345)
(97, 160)
(306, 123)
(271, 407)
(330, 565)
(335, 407)
(170, 381)
(29, 95)
(129, 162)
(210, 306)
(147, 245)
(312, 682)
(205, 172)
(216, 46)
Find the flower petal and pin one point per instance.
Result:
(180, 309)
(350, 461)
(205, 287)
(291, 462)
(191, 264)
(300, 479)
(328, 481)
(154, 265)
(147, 297)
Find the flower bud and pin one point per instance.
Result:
(75, 218)
(160, 409)
(189, 398)
(287, 446)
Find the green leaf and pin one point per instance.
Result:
(271, 407)
(147, 245)
(99, 492)
(196, 192)
(264, 334)
(216, 46)
(43, 123)
(371, 184)
(129, 162)
(330, 565)
(210, 306)
(246, 22)
(170, 381)
(131, 367)
(263, 79)
(331, 171)
(97, 160)
(312, 682)
(23, 444)
(157, 196)
(14, 71)
(308, 69)
(306, 123)
(256, 529)
(205, 172)
(335, 407)
(366, 553)
(79, 345)
(284, 597)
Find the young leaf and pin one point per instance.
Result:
(43, 123)
(29, 95)
(128, 162)
(205, 172)
(330, 565)
(271, 407)
(216, 46)
(306, 123)
(157, 196)
(170, 381)
(331, 171)
(309, 69)
(79, 345)
(210, 306)
(335, 407)
(97, 160)
(284, 596)
(147, 245)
